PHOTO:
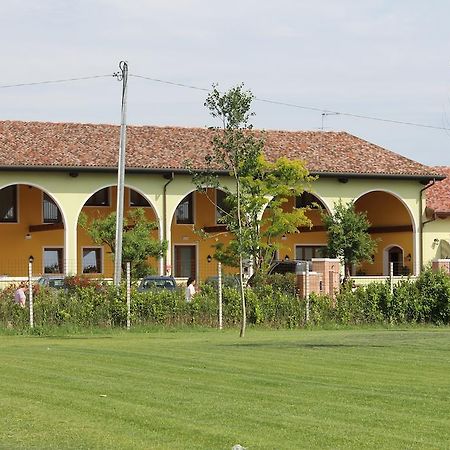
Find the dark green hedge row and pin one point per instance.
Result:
(90, 306)
(426, 300)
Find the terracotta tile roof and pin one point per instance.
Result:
(59, 145)
(438, 195)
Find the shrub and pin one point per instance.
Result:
(434, 292)
(406, 304)
(284, 282)
(321, 309)
(89, 303)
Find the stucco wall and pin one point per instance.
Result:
(433, 233)
(71, 193)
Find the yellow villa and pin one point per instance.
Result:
(51, 172)
(436, 226)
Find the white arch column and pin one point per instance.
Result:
(70, 205)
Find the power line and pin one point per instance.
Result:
(263, 100)
(171, 83)
(309, 108)
(54, 81)
(359, 116)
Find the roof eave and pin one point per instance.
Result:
(423, 178)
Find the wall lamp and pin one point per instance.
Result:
(408, 257)
(31, 259)
(286, 258)
(28, 236)
(209, 258)
(436, 241)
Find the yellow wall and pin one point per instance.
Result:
(185, 234)
(288, 243)
(438, 229)
(14, 248)
(70, 193)
(93, 212)
(384, 210)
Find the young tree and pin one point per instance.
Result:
(276, 181)
(137, 245)
(348, 236)
(256, 181)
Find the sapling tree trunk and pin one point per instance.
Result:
(239, 150)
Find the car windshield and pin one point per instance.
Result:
(158, 283)
(57, 283)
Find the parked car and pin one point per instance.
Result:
(227, 281)
(289, 266)
(285, 266)
(157, 282)
(52, 281)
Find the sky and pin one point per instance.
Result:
(384, 59)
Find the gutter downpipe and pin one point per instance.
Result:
(164, 219)
(422, 224)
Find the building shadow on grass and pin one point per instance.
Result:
(300, 345)
(74, 337)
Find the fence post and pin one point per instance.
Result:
(128, 294)
(30, 289)
(219, 290)
(307, 291)
(391, 277)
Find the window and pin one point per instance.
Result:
(92, 260)
(184, 212)
(100, 198)
(53, 260)
(306, 199)
(8, 204)
(137, 199)
(307, 252)
(185, 260)
(51, 213)
(222, 205)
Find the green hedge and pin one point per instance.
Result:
(426, 300)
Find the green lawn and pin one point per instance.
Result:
(210, 390)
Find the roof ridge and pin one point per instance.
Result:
(178, 127)
(152, 147)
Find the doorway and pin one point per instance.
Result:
(395, 256)
(185, 258)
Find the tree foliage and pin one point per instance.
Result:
(239, 150)
(267, 190)
(137, 244)
(348, 236)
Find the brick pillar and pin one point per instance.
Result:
(315, 283)
(441, 264)
(329, 268)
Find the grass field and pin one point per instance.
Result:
(204, 389)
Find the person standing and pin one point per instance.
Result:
(190, 289)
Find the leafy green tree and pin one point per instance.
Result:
(138, 244)
(256, 182)
(348, 236)
(276, 181)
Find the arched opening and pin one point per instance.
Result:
(98, 259)
(196, 228)
(392, 227)
(31, 224)
(394, 256)
(310, 241)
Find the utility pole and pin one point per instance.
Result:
(121, 76)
